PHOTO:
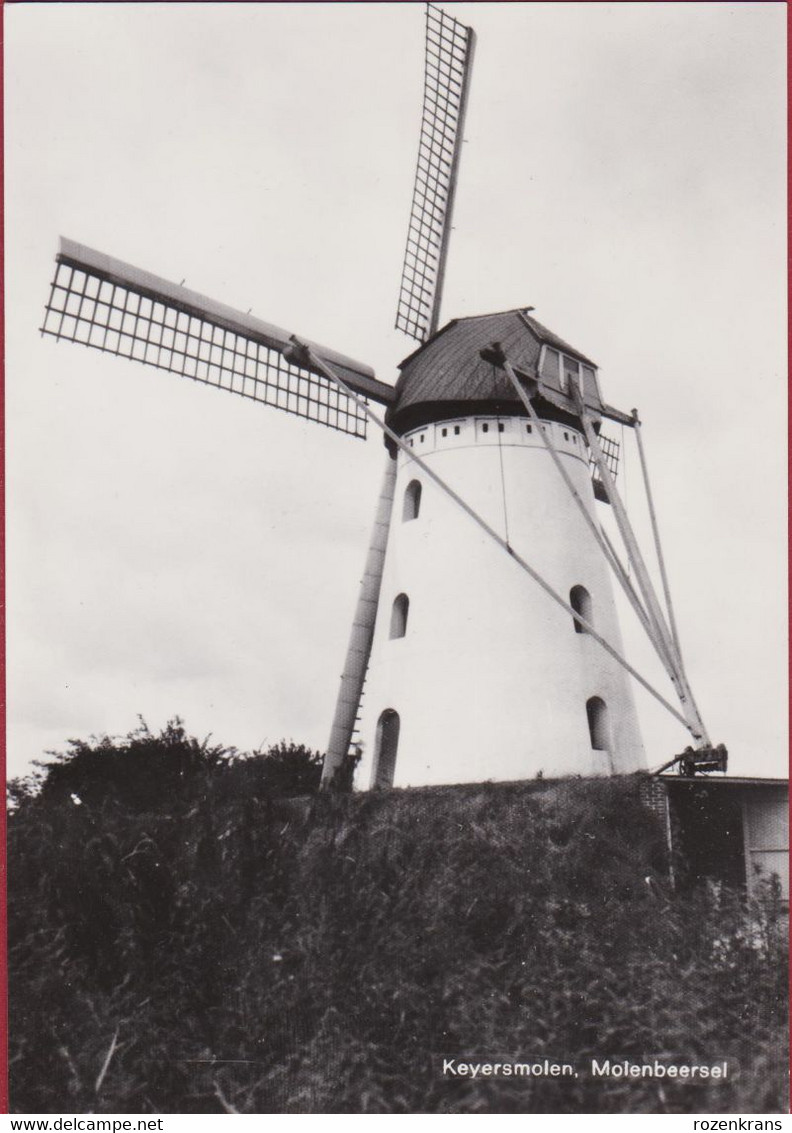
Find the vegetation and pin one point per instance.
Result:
(189, 935)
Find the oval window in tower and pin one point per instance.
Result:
(580, 601)
(385, 744)
(412, 500)
(399, 612)
(599, 724)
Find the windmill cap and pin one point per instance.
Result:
(448, 377)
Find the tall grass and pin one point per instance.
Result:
(247, 952)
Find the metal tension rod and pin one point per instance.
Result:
(303, 353)
(656, 533)
(629, 589)
(693, 719)
(669, 663)
(661, 558)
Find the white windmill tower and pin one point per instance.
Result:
(485, 619)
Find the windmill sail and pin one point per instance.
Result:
(449, 53)
(111, 306)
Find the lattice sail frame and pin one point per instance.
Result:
(611, 451)
(449, 53)
(121, 310)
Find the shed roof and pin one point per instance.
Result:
(724, 782)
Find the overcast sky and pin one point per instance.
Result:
(176, 550)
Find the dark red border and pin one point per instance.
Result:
(789, 408)
(3, 910)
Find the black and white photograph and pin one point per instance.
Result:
(406, 732)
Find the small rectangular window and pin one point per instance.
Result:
(550, 364)
(500, 426)
(456, 430)
(444, 432)
(423, 438)
(529, 427)
(571, 366)
(566, 436)
(485, 427)
(590, 385)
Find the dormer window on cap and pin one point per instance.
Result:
(565, 370)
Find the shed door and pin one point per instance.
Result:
(708, 833)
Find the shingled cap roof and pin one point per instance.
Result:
(447, 375)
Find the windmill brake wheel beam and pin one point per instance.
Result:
(497, 356)
(302, 354)
(693, 719)
(650, 618)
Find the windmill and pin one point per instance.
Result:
(529, 378)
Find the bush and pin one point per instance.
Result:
(258, 953)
